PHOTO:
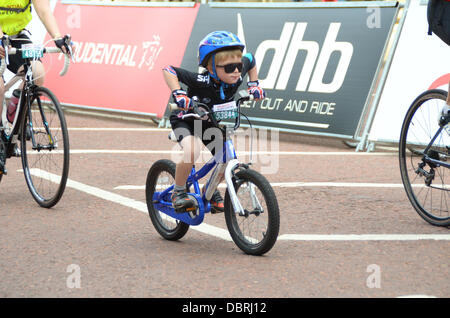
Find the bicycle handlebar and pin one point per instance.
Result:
(13, 50)
(199, 114)
(174, 106)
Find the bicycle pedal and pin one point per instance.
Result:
(186, 210)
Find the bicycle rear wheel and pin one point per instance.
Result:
(256, 231)
(45, 148)
(161, 176)
(2, 157)
(425, 183)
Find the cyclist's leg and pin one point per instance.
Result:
(448, 94)
(190, 144)
(2, 96)
(446, 107)
(16, 61)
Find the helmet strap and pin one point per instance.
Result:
(214, 76)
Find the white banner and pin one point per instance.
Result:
(421, 62)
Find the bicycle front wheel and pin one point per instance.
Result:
(426, 182)
(45, 148)
(256, 230)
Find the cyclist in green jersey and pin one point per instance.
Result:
(15, 15)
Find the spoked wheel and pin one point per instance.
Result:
(425, 182)
(160, 177)
(256, 231)
(2, 158)
(45, 148)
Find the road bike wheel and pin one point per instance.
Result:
(160, 176)
(425, 183)
(45, 157)
(2, 157)
(256, 232)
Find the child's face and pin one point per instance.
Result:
(229, 78)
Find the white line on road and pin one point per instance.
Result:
(117, 129)
(301, 184)
(122, 200)
(271, 153)
(223, 234)
(364, 237)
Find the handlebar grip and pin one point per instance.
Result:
(66, 59)
(173, 106)
(48, 50)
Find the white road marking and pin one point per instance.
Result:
(223, 234)
(301, 184)
(116, 129)
(273, 153)
(364, 237)
(131, 203)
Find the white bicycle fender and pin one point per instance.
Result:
(232, 164)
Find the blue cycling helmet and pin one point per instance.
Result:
(216, 41)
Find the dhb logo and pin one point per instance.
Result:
(311, 78)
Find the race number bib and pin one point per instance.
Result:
(225, 111)
(32, 51)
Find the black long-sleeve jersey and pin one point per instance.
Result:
(206, 89)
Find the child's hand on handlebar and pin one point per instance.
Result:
(181, 99)
(255, 90)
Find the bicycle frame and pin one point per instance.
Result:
(224, 163)
(26, 75)
(426, 157)
(24, 106)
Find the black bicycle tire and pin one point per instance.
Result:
(427, 216)
(181, 228)
(2, 146)
(47, 203)
(270, 198)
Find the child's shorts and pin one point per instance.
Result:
(203, 129)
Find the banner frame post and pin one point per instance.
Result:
(363, 142)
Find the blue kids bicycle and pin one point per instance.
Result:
(251, 207)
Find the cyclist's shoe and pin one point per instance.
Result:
(217, 205)
(181, 202)
(14, 151)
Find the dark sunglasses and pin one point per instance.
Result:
(229, 68)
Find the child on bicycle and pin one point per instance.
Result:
(221, 54)
(15, 15)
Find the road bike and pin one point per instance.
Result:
(40, 127)
(251, 206)
(424, 154)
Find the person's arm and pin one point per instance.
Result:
(171, 78)
(253, 83)
(180, 96)
(2, 50)
(45, 13)
(253, 74)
